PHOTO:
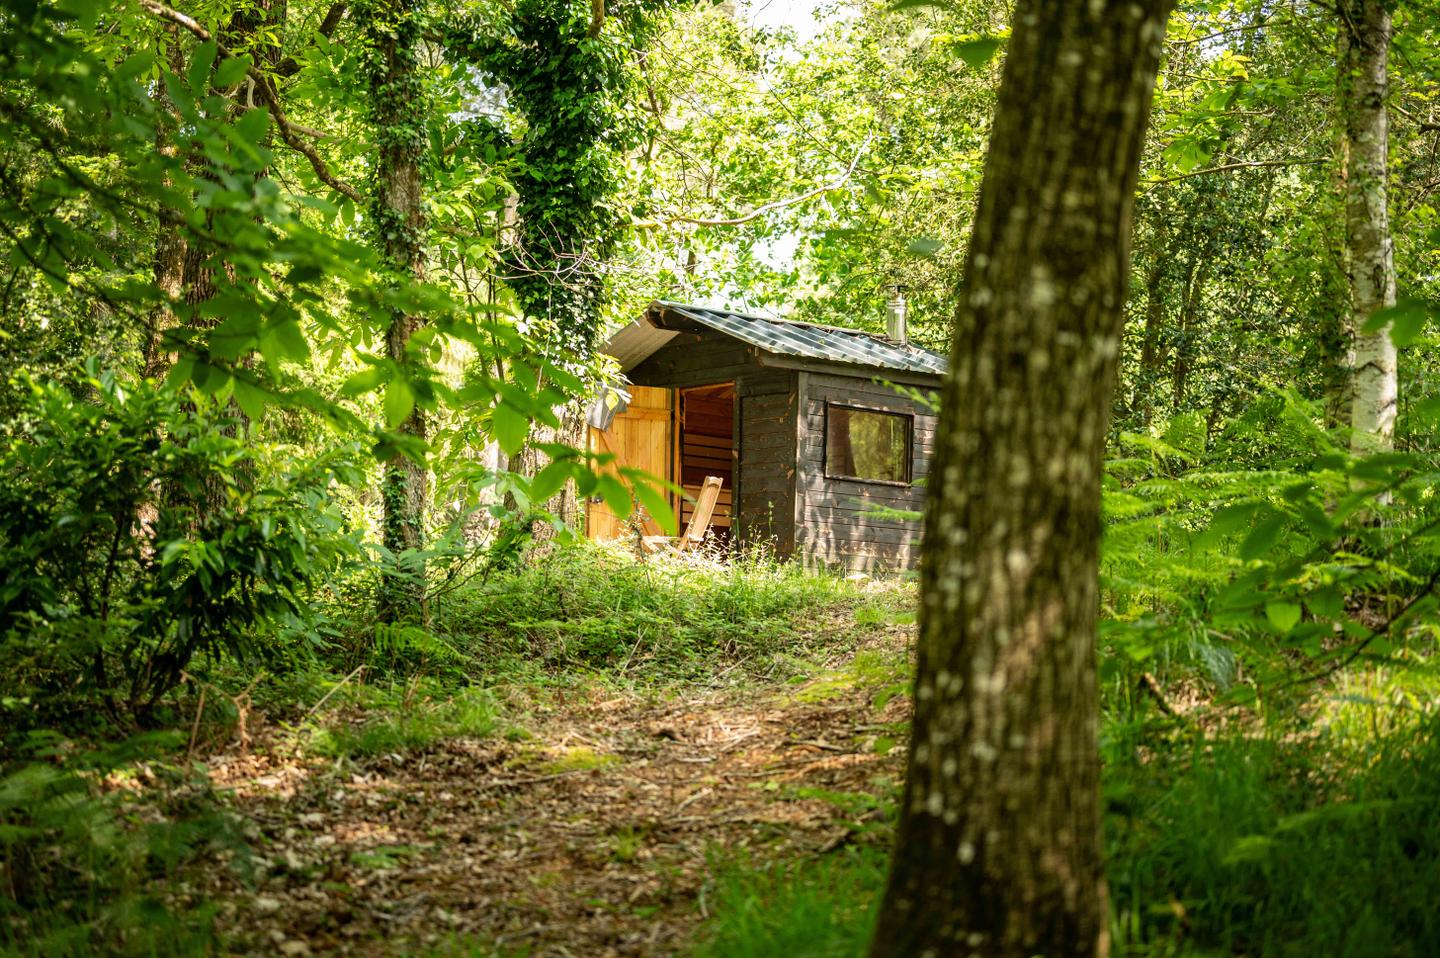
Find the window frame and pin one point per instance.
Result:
(909, 419)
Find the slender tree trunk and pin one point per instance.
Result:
(170, 247)
(1363, 38)
(999, 848)
(393, 36)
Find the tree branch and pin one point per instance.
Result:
(760, 211)
(288, 132)
(1227, 167)
(290, 66)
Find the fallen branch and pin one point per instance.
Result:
(288, 131)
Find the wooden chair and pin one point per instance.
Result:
(698, 525)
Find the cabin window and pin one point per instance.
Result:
(867, 444)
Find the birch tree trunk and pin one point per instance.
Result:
(999, 849)
(393, 37)
(1363, 38)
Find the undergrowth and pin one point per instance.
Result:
(662, 618)
(1301, 839)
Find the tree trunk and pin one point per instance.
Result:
(393, 35)
(170, 247)
(999, 848)
(1363, 38)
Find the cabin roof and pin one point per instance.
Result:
(638, 341)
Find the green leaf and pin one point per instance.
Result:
(231, 71)
(551, 480)
(288, 341)
(616, 496)
(900, 6)
(399, 402)
(978, 52)
(924, 246)
(1406, 321)
(366, 380)
(657, 504)
(250, 398)
(1284, 616)
(253, 124)
(135, 66)
(1262, 538)
(198, 75)
(511, 427)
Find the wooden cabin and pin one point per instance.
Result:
(803, 423)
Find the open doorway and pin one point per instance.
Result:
(706, 446)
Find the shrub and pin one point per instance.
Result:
(137, 533)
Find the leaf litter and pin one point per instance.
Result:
(592, 837)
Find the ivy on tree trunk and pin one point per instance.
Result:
(393, 35)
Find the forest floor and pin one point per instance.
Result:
(591, 828)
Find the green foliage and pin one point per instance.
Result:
(820, 908)
(599, 606)
(412, 720)
(572, 89)
(81, 873)
(135, 535)
(1277, 846)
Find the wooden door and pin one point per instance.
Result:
(641, 437)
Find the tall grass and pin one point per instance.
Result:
(1283, 844)
(661, 617)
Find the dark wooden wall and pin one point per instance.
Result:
(831, 525)
(781, 493)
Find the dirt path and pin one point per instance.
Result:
(590, 838)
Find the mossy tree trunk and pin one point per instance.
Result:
(999, 852)
(393, 35)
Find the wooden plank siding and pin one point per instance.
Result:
(767, 470)
(778, 491)
(833, 521)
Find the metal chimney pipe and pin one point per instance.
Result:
(896, 316)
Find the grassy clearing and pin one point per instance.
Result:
(663, 618)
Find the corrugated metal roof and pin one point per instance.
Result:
(791, 338)
(636, 343)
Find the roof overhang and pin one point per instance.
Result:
(637, 342)
(779, 342)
